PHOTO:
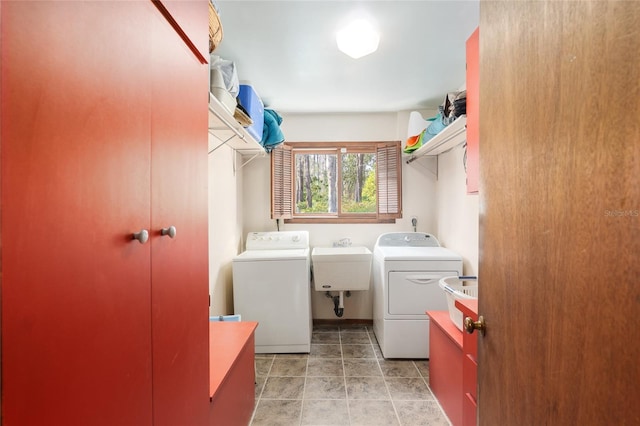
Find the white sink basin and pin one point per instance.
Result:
(341, 268)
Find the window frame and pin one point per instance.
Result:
(283, 182)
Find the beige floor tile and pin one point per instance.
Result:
(420, 413)
(366, 388)
(283, 388)
(361, 368)
(325, 367)
(270, 412)
(356, 337)
(288, 367)
(402, 388)
(358, 351)
(324, 388)
(325, 351)
(395, 368)
(325, 413)
(330, 337)
(372, 413)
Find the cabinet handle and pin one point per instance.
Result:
(142, 236)
(170, 231)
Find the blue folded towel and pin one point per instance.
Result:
(272, 135)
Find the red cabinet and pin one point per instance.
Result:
(96, 327)
(179, 265)
(445, 364)
(469, 308)
(473, 111)
(452, 364)
(232, 373)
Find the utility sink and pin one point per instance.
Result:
(341, 268)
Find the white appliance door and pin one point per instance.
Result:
(276, 294)
(415, 292)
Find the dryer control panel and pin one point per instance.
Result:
(407, 239)
(285, 240)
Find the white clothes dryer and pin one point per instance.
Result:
(406, 270)
(272, 285)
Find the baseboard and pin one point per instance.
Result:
(346, 321)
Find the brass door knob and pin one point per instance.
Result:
(470, 325)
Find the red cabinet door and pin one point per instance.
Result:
(179, 274)
(473, 111)
(76, 344)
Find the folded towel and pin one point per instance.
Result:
(272, 135)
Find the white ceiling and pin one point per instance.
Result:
(287, 51)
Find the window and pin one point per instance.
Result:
(354, 182)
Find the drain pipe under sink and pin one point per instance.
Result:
(338, 302)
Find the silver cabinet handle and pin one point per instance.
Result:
(170, 231)
(142, 236)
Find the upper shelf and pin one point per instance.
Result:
(452, 135)
(225, 130)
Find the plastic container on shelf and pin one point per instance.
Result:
(218, 89)
(458, 288)
(252, 103)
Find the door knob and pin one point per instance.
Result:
(470, 325)
(170, 231)
(141, 236)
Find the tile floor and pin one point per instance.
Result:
(343, 381)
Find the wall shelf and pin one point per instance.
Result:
(451, 136)
(225, 130)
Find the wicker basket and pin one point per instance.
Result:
(215, 28)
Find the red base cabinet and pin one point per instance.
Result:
(232, 373)
(445, 364)
(104, 134)
(469, 308)
(453, 366)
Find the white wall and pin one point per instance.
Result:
(419, 192)
(225, 227)
(433, 192)
(457, 211)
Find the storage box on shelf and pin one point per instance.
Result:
(225, 130)
(452, 135)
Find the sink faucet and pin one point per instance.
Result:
(345, 242)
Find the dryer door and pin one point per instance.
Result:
(415, 292)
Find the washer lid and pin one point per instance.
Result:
(415, 253)
(267, 255)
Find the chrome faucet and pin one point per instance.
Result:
(345, 242)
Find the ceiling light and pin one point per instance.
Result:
(358, 39)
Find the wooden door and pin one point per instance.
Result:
(559, 221)
(180, 290)
(76, 344)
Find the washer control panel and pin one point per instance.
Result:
(407, 239)
(285, 240)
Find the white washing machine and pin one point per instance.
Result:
(272, 285)
(406, 270)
